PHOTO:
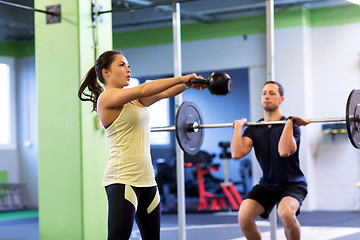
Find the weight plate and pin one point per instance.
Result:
(189, 140)
(352, 117)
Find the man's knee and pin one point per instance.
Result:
(243, 219)
(287, 209)
(287, 215)
(246, 215)
(245, 222)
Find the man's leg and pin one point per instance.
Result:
(287, 213)
(249, 210)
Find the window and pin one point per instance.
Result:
(7, 109)
(159, 116)
(5, 103)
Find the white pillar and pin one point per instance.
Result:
(270, 40)
(270, 77)
(178, 100)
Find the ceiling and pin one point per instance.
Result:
(17, 24)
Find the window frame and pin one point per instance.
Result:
(13, 141)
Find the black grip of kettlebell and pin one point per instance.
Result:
(199, 81)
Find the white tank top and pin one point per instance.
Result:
(129, 141)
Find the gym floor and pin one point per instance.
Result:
(319, 225)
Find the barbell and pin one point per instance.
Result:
(189, 124)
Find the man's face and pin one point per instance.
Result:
(270, 97)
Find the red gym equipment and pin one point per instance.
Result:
(202, 162)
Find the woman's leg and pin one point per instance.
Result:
(148, 213)
(121, 213)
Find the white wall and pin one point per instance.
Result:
(318, 68)
(336, 67)
(225, 53)
(336, 71)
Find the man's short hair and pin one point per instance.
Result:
(281, 89)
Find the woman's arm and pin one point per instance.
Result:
(171, 92)
(116, 97)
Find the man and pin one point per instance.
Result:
(277, 151)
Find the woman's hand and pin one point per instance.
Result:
(197, 86)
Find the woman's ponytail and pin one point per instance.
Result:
(90, 82)
(91, 79)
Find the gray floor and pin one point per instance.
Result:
(220, 226)
(223, 226)
(24, 229)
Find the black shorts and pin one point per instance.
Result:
(269, 196)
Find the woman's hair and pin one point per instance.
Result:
(91, 79)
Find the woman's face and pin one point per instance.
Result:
(118, 74)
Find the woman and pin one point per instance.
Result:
(129, 178)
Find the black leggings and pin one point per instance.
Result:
(126, 203)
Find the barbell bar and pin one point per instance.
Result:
(225, 125)
(189, 124)
(222, 125)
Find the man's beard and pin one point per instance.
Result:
(270, 108)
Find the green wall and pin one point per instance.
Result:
(316, 17)
(94, 143)
(72, 153)
(60, 168)
(17, 50)
(343, 14)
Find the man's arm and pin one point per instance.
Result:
(287, 144)
(240, 146)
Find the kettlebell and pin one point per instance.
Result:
(218, 83)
